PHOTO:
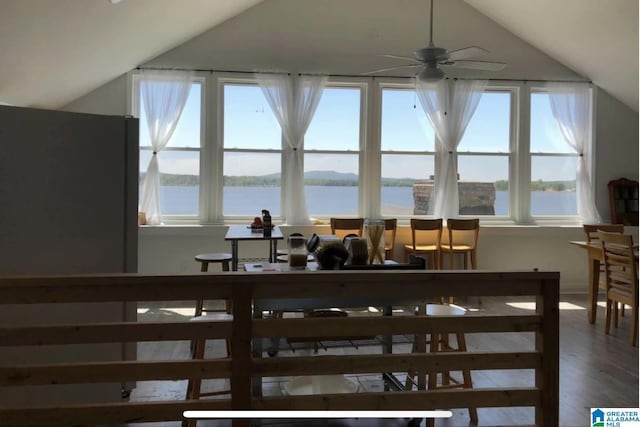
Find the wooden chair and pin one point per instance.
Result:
(462, 239)
(426, 237)
(390, 228)
(343, 226)
(592, 234)
(621, 276)
(591, 231)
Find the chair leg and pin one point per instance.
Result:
(615, 314)
(607, 323)
(474, 262)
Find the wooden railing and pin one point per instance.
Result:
(244, 289)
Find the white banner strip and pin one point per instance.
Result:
(317, 414)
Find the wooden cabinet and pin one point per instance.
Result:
(623, 200)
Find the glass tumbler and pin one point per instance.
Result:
(297, 252)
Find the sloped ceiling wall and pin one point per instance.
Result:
(349, 37)
(596, 38)
(53, 51)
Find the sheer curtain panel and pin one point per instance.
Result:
(571, 109)
(164, 95)
(449, 105)
(293, 100)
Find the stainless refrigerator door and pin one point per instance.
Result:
(68, 205)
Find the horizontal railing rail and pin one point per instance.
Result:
(244, 367)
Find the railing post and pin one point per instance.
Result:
(241, 366)
(548, 343)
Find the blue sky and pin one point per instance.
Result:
(249, 123)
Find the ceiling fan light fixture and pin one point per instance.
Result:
(430, 74)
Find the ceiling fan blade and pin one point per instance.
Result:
(466, 53)
(391, 68)
(477, 65)
(400, 57)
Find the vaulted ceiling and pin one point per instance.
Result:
(52, 52)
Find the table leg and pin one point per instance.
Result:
(234, 255)
(594, 278)
(256, 381)
(273, 250)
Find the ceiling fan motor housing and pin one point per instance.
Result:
(430, 53)
(429, 74)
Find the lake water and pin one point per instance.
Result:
(325, 201)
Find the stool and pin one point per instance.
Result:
(439, 343)
(205, 260)
(197, 347)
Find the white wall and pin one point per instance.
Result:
(110, 99)
(171, 250)
(616, 146)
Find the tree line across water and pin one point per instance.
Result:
(274, 181)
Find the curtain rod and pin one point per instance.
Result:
(211, 71)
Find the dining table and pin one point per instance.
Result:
(594, 256)
(243, 233)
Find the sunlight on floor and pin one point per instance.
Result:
(532, 305)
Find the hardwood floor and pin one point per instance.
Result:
(596, 370)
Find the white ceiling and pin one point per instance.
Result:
(53, 52)
(596, 38)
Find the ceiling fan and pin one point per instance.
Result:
(430, 58)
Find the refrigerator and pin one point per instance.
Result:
(68, 205)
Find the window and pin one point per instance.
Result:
(484, 157)
(332, 152)
(407, 154)
(368, 151)
(553, 163)
(179, 162)
(252, 153)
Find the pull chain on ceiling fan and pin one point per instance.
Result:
(431, 58)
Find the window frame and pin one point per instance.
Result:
(217, 210)
(362, 84)
(536, 88)
(134, 108)
(511, 154)
(396, 85)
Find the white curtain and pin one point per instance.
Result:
(164, 95)
(293, 100)
(571, 108)
(449, 106)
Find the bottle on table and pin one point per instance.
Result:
(266, 223)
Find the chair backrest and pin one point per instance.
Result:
(390, 228)
(426, 231)
(591, 230)
(343, 226)
(621, 270)
(463, 231)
